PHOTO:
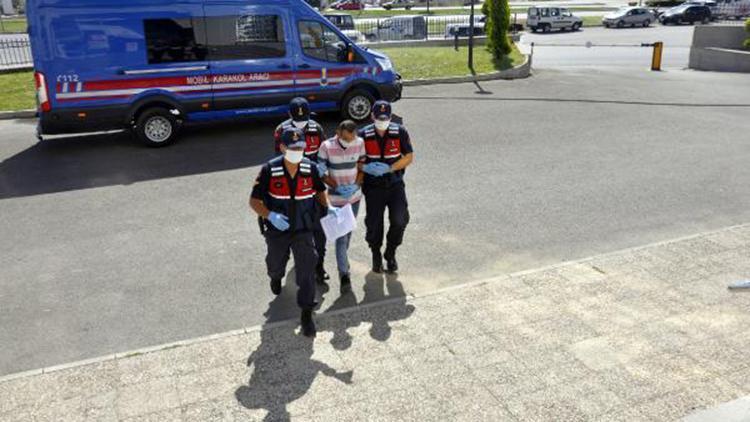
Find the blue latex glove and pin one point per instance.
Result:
(334, 211)
(377, 169)
(322, 169)
(370, 169)
(347, 190)
(280, 221)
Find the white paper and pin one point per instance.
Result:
(341, 225)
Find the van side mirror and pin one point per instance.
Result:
(349, 53)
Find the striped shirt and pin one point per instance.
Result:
(342, 166)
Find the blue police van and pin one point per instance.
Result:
(152, 65)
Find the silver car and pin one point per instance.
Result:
(629, 16)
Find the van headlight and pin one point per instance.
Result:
(385, 64)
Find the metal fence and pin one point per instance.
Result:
(15, 53)
(400, 28)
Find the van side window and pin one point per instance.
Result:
(321, 43)
(554, 12)
(545, 12)
(173, 41)
(246, 37)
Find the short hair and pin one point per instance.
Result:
(347, 126)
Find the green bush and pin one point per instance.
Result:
(498, 22)
(747, 28)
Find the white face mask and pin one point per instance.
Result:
(382, 125)
(294, 156)
(299, 125)
(346, 143)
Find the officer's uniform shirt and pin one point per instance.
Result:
(314, 137)
(293, 197)
(388, 149)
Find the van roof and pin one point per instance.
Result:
(30, 4)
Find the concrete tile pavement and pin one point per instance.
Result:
(650, 333)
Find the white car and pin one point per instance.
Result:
(629, 16)
(546, 19)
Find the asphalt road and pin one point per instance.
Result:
(106, 246)
(610, 47)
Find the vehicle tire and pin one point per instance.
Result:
(533, 29)
(545, 27)
(371, 37)
(408, 7)
(646, 23)
(606, 25)
(357, 105)
(705, 20)
(387, 7)
(621, 24)
(157, 127)
(576, 26)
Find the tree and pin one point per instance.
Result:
(498, 22)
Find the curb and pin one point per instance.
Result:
(18, 114)
(519, 72)
(406, 298)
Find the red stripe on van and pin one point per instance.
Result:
(105, 85)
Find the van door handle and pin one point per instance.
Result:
(304, 66)
(285, 66)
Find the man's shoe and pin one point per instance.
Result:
(346, 284)
(390, 260)
(377, 261)
(276, 286)
(321, 276)
(307, 324)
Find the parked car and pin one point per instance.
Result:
(546, 19)
(132, 69)
(629, 16)
(686, 13)
(398, 4)
(399, 28)
(348, 5)
(464, 29)
(345, 23)
(727, 9)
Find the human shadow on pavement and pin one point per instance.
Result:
(282, 365)
(71, 164)
(379, 289)
(283, 369)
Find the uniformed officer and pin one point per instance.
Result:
(285, 196)
(389, 152)
(299, 117)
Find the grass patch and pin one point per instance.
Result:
(12, 26)
(18, 91)
(440, 62)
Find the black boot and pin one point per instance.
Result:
(321, 276)
(377, 261)
(307, 323)
(346, 283)
(276, 286)
(390, 260)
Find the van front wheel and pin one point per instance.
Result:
(157, 127)
(357, 105)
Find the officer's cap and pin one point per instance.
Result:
(382, 110)
(299, 109)
(293, 138)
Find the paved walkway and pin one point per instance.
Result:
(644, 334)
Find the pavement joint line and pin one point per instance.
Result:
(406, 298)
